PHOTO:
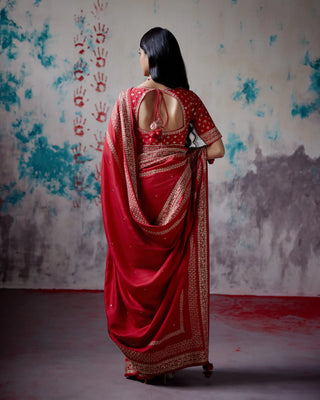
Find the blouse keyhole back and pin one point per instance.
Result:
(159, 110)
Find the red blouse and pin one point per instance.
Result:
(194, 111)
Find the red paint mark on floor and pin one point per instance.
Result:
(268, 314)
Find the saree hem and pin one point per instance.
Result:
(130, 370)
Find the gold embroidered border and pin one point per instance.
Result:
(153, 155)
(163, 232)
(130, 154)
(113, 151)
(211, 136)
(173, 206)
(203, 260)
(173, 364)
(158, 170)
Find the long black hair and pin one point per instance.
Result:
(166, 64)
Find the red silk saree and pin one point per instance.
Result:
(155, 215)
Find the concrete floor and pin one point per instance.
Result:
(54, 346)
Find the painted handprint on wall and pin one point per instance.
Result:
(80, 20)
(79, 43)
(100, 57)
(79, 127)
(99, 7)
(102, 112)
(101, 33)
(80, 69)
(78, 182)
(99, 141)
(97, 173)
(77, 203)
(79, 97)
(89, 42)
(97, 200)
(79, 153)
(101, 82)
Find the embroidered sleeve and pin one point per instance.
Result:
(204, 124)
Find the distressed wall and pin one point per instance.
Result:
(256, 66)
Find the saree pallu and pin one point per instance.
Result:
(155, 215)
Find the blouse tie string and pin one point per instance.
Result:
(156, 126)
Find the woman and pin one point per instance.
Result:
(154, 200)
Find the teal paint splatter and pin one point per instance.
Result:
(37, 3)
(10, 33)
(234, 146)
(49, 166)
(28, 94)
(305, 110)
(221, 49)
(11, 4)
(306, 60)
(66, 77)
(60, 84)
(80, 22)
(248, 91)
(10, 196)
(260, 114)
(39, 41)
(273, 38)
(36, 130)
(272, 135)
(23, 134)
(233, 2)
(62, 118)
(155, 6)
(304, 41)
(92, 188)
(29, 17)
(9, 85)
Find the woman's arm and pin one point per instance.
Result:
(216, 150)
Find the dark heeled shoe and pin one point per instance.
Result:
(156, 380)
(138, 378)
(207, 369)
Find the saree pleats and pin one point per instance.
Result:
(157, 271)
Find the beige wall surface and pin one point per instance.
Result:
(256, 66)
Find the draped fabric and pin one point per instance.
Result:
(157, 270)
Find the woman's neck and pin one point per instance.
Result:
(150, 83)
